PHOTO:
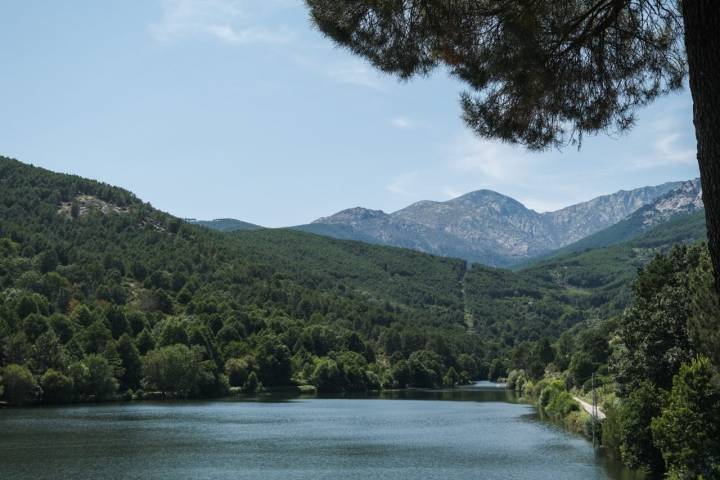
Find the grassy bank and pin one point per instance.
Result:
(554, 401)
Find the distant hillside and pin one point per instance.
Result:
(224, 224)
(605, 273)
(484, 226)
(94, 280)
(685, 199)
(556, 294)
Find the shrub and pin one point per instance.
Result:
(19, 385)
(688, 431)
(57, 387)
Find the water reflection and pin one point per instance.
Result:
(474, 432)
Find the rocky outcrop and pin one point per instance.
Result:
(491, 228)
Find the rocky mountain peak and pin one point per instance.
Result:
(487, 227)
(687, 198)
(351, 216)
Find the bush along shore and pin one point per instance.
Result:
(653, 371)
(557, 403)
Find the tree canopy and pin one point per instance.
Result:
(543, 73)
(539, 73)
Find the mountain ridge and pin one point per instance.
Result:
(224, 224)
(684, 200)
(485, 226)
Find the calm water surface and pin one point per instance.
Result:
(472, 433)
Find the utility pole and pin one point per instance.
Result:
(594, 409)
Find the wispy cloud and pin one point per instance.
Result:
(490, 161)
(403, 123)
(355, 72)
(452, 192)
(405, 184)
(671, 144)
(544, 182)
(233, 22)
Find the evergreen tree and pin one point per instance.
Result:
(544, 73)
(636, 441)
(131, 363)
(19, 385)
(688, 431)
(56, 387)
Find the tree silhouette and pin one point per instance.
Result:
(543, 73)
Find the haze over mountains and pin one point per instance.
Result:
(100, 265)
(493, 229)
(686, 199)
(224, 224)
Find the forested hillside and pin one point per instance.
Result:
(102, 295)
(224, 224)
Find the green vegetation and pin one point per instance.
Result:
(681, 229)
(225, 224)
(655, 366)
(102, 297)
(688, 430)
(542, 74)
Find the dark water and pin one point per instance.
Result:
(472, 433)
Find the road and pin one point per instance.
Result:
(589, 408)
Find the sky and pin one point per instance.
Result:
(241, 109)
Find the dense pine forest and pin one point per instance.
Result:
(104, 297)
(97, 284)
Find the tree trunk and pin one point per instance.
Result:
(702, 42)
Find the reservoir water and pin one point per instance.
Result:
(476, 432)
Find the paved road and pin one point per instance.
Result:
(589, 409)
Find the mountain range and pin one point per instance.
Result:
(685, 199)
(101, 268)
(489, 228)
(224, 224)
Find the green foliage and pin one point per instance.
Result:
(451, 378)
(252, 384)
(171, 369)
(425, 369)
(688, 430)
(581, 368)
(87, 292)
(94, 379)
(611, 429)
(88, 269)
(705, 310)
(130, 360)
(517, 381)
(556, 401)
(19, 385)
(653, 333)
(237, 371)
(56, 387)
(636, 442)
(498, 370)
(537, 74)
(327, 376)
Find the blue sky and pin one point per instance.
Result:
(238, 108)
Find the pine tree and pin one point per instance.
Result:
(688, 431)
(544, 73)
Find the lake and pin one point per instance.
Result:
(477, 432)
